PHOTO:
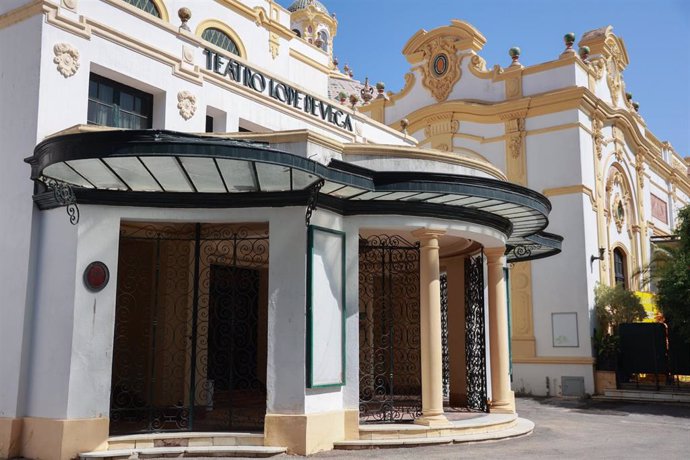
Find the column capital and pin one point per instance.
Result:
(428, 233)
(494, 254)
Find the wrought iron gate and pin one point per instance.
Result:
(389, 351)
(444, 337)
(190, 328)
(475, 345)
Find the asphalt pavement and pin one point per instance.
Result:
(565, 429)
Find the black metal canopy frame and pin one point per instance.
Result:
(168, 169)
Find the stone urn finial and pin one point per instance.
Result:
(354, 99)
(381, 88)
(514, 54)
(404, 123)
(584, 52)
(367, 92)
(185, 14)
(569, 40)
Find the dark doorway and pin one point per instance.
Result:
(190, 328)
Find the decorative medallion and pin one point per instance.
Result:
(440, 65)
(66, 58)
(442, 69)
(186, 102)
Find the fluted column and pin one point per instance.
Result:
(502, 397)
(430, 329)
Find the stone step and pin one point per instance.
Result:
(185, 439)
(199, 451)
(653, 396)
(522, 427)
(483, 423)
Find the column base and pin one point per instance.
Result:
(503, 407)
(63, 439)
(433, 421)
(305, 434)
(10, 437)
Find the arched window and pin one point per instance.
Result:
(220, 39)
(146, 5)
(297, 32)
(619, 267)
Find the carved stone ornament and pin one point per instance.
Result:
(66, 58)
(597, 127)
(597, 65)
(70, 4)
(186, 102)
(442, 68)
(618, 211)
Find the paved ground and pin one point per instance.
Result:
(565, 430)
(571, 429)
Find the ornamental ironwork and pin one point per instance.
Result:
(64, 196)
(444, 336)
(389, 330)
(475, 342)
(522, 251)
(313, 199)
(190, 328)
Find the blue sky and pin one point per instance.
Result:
(371, 35)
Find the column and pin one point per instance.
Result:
(503, 399)
(430, 329)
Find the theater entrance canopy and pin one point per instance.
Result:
(174, 170)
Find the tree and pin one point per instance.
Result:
(613, 306)
(616, 305)
(673, 280)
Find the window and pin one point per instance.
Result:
(146, 5)
(114, 104)
(323, 40)
(220, 39)
(619, 267)
(209, 124)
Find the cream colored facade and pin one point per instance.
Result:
(565, 128)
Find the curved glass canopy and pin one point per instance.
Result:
(163, 168)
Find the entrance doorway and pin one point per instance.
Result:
(190, 328)
(389, 342)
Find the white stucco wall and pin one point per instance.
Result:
(19, 93)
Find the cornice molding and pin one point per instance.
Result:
(22, 13)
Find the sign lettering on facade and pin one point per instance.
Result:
(282, 92)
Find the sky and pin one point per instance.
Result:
(372, 34)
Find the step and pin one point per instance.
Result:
(474, 423)
(199, 451)
(185, 439)
(638, 395)
(522, 427)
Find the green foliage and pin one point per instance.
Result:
(606, 348)
(616, 305)
(673, 284)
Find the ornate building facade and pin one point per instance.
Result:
(568, 129)
(209, 251)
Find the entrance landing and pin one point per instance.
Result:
(185, 444)
(463, 427)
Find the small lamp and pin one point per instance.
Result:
(601, 256)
